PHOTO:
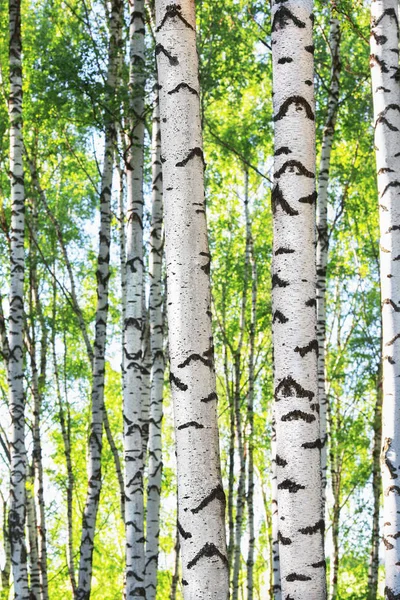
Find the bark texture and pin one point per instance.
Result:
(298, 464)
(200, 492)
(103, 275)
(158, 363)
(384, 61)
(133, 384)
(17, 512)
(323, 237)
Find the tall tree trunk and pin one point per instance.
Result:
(301, 523)
(322, 234)
(103, 275)
(158, 363)
(175, 576)
(373, 570)
(34, 568)
(133, 384)
(17, 511)
(250, 412)
(200, 492)
(275, 566)
(6, 570)
(386, 97)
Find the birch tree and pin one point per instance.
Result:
(295, 345)
(384, 62)
(200, 494)
(103, 275)
(133, 384)
(17, 512)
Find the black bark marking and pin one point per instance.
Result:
(207, 551)
(284, 60)
(313, 529)
(292, 165)
(191, 424)
(207, 267)
(311, 302)
(216, 494)
(390, 302)
(184, 582)
(291, 486)
(196, 357)
(283, 150)
(183, 86)
(132, 322)
(310, 49)
(319, 565)
(297, 577)
(389, 12)
(311, 347)
(278, 200)
(383, 120)
(282, 18)
(389, 593)
(192, 153)
(289, 387)
(379, 39)
(280, 461)
(311, 199)
(394, 184)
(283, 250)
(385, 170)
(308, 82)
(388, 545)
(280, 317)
(278, 282)
(298, 415)
(174, 11)
(386, 447)
(381, 63)
(396, 337)
(299, 102)
(317, 445)
(185, 534)
(173, 60)
(210, 397)
(284, 541)
(178, 383)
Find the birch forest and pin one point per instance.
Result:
(199, 300)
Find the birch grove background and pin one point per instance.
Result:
(108, 116)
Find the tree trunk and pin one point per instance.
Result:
(275, 566)
(133, 384)
(384, 63)
(200, 491)
(175, 577)
(322, 235)
(34, 569)
(103, 275)
(158, 363)
(373, 571)
(17, 511)
(298, 461)
(6, 570)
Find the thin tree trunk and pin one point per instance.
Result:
(298, 463)
(133, 327)
(384, 62)
(146, 377)
(175, 577)
(103, 274)
(250, 409)
(275, 566)
(322, 234)
(158, 363)
(200, 491)
(17, 511)
(6, 570)
(373, 571)
(34, 568)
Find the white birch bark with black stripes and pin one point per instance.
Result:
(385, 75)
(17, 512)
(322, 235)
(133, 384)
(301, 525)
(200, 493)
(158, 362)
(99, 346)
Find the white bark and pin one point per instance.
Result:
(276, 571)
(17, 511)
(158, 363)
(386, 96)
(301, 525)
(200, 492)
(103, 275)
(34, 569)
(133, 385)
(323, 238)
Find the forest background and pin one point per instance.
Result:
(65, 53)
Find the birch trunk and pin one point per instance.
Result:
(386, 97)
(133, 385)
(200, 492)
(6, 570)
(17, 511)
(175, 577)
(34, 569)
(322, 235)
(275, 566)
(103, 275)
(298, 463)
(373, 570)
(158, 363)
